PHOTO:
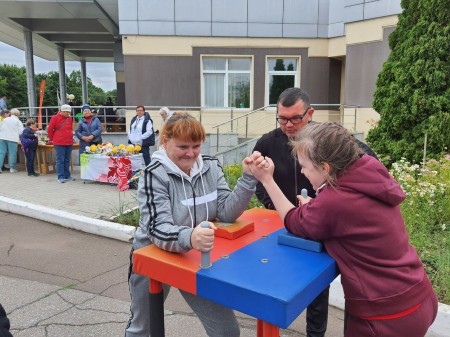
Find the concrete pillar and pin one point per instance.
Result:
(84, 84)
(62, 76)
(29, 62)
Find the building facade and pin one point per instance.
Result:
(231, 57)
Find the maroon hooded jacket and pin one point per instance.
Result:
(361, 225)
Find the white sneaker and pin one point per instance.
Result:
(12, 170)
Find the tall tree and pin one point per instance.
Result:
(13, 83)
(413, 92)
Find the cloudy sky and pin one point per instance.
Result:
(101, 74)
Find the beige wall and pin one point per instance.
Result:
(338, 70)
(263, 121)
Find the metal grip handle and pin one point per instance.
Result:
(304, 193)
(206, 257)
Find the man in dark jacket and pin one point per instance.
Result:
(293, 113)
(4, 324)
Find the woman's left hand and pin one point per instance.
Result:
(202, 238)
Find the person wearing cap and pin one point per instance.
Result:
(89, 130)
(60, 132)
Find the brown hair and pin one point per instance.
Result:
(327, 143)
(183, 126)
(30, 121)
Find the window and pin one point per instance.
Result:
(282, 73)
(226, 82)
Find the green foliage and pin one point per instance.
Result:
(13, 83)
(413, 92)
(426, 211)
(232, 174)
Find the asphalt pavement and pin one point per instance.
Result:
(60, 282)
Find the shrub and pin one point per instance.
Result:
(426, 211)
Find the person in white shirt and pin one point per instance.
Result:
(141, 132)
(10, 130)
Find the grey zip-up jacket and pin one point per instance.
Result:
(172, 203)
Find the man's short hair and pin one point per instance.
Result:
(290, 96)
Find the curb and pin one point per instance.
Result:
(79, 222)
(441, 325)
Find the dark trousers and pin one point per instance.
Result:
(145, 150)
(30, 155)
(317, 315)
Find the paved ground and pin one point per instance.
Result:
(89, 198)
(58, 282)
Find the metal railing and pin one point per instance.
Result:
(111, 122)
(238, 133)
(229, 134)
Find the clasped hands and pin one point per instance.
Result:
(259, 166)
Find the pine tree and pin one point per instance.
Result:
(413, 93)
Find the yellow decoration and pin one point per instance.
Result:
(93, 148)
(115, 149)
(121, 146)
(130, 148)
(137, 148)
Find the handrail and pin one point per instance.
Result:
(248, 113)
(274, 106)
(235, 131)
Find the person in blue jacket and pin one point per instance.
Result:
(29, 141)
(89, 130)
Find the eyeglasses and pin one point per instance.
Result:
(294, 120)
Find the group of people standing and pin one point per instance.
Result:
(60, 133)
(353, 207)
(89, 132)
(11, 132)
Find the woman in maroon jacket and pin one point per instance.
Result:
(60, 132)
(356, 214)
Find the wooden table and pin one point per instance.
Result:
(252, 274)
(46, 159)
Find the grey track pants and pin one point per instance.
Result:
(218, 321)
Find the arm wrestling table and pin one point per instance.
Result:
(251, 274)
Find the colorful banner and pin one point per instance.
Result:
(106, 169)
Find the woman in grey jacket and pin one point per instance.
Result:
(177, 191)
